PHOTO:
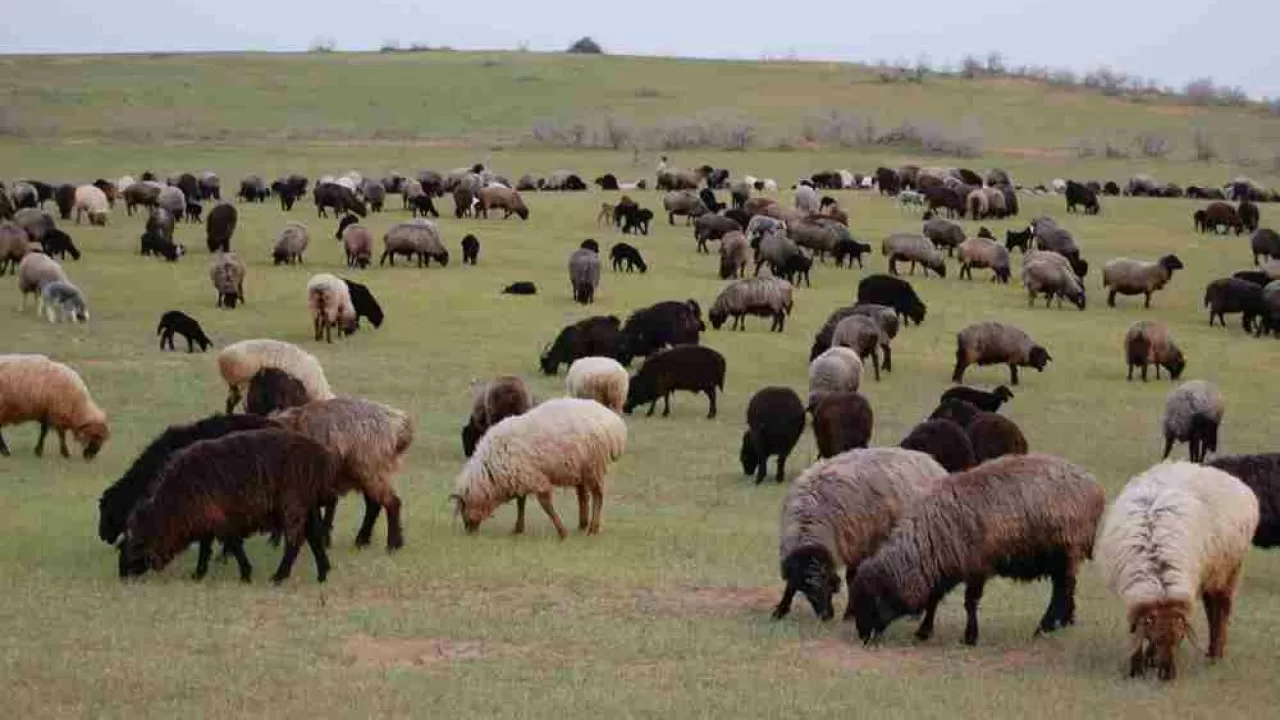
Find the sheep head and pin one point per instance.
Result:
(1157, 629)
(750, 459)
(1039, 358)
(92, 436)
(811, 571)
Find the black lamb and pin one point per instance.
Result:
(981, 399)
(623, 253)
(521, 287)
(364, 303)
(57, 243)
(892, 292)
(470, 250)
(177, 322)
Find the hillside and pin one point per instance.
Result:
(500, 97)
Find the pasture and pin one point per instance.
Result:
(666, 613)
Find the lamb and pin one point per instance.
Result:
(470, 249)
(1177, 533)
(239, 362)
(624, 253)
(1148, 342)
(357, 244)
(1135, 277)
(892, 292)
(693, 368)
(994, 343)
(994, 435)
(272, 390)
(416, 238)
(24, 195)
(520, 287)
(291, 243)
(93, 203)
(491, 403)
(862, 334)
(220, 226)
(944, 441)
(566, 442)
(842, 421)
(913, 248)
(735, 254)
(1051, 279)
(506, 199)
(1082, 195)
(839, 512)
(370, 439)
(61, 300)
(850, 250)
(596, 335)
(584, 275)
(981, 399)
(1192, 413)
(329, 302)
(1021, 516)
(836, 370)
(35, 271)
(984, 253)
(364, 303)
(1232, 295)
(227, 275)
(34, 388)
(602, 379)
(765, 297)
(230, 487)
(683, 202)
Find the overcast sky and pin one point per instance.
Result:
(1172, 41)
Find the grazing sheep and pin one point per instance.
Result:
(1052, 279)
(584, 275)
(1136, 277)
(142, 194)
(35, 271)
(663, 324)
(1192, 413)
(916, 249)
(1248, 213)
(329, 302)
(227, 274)
(984, 253)
(502, 198)
(1264, 243)
(34, 388)
(491, 403)
(776, 250)
(1074, 264)
(842, 421)
(61, 300)
(622, 253)
(91, 202)
(1231, 295)
(735, 255)
(850, 250)
(944, 233)
(693, 368)
(272, 390)
(836, 370)
(978, 203)
(994, 343)
(764, 297)
(806, 200)
(370, 439)
(960, 412)
(231, 487)
(357, 245)
(602, 379)
(341, 199)
(14, 245)
(374, 195)
(220, 226)
(863, 335)
(566, 442)
(210, 186)
(1079, 195)
(944, 441)
(1148, 342)
(839, 512)
(239, 362)
(1176, 534)
(819, 234)
(981, 399)
(254, 189)
(416, 238)
(598, 335)
(1261, 473)
(892, 292)
(364, 303)
(470, 249)
(713, 226)
(994, 435)
(35, 222)
(56, 243)
(291, 243)
(1023, 517)
(683, 202)
(1219, 215)
(884, 317)
(775, 422)
(172, 199)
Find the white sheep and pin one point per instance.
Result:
(602, 379)
(239, 362)
(1177, 534)
(35, 271)
(93, 202)
(34, 388)
(329, 302)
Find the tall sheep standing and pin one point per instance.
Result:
(34, 388)
(602, 379)
(329, 303)
(565, 442)
(994, 343)
(227, 274)
(584, 275)
(1176, 534)
(839, 512)
(1135, 277)
(1192, 414)
(239, 362)
(775, 422)
(763, 296)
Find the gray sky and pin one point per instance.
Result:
(1172, 41)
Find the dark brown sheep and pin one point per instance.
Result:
(842, 421)
(1222, 215)
(775, 421)
(491, 403)
(341, 199)
(220, 226)
(981, 399)
(1262, 474)
(961, 412)
(693, 368)
(597, 335)
(945, 441)
(993, 435)
(272, 389)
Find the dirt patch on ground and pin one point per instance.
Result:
(853, 657)
(1174, 110)
(707, 601)
(368, 651)
(1032, 152)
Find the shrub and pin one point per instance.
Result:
(839, 128)
(970, 67)
(324, 45)
(585, 46)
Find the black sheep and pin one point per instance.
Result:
(693, 368)
(65, 198)
(850, 250)
(287, 195)
(1018, 239)
(945, 441)
(622, 253)
(364, 303)
(944, 198)
(608, 181)
(424, 206)
(179, 323)
(738, 215)
(1248, 215)
(1110, 188)
(888, 182)
(1262, 474)
(44, 191)
(1264, 243)
(981, 399)
(189, 186)
(470, 249)
(521, 287)
(841, 422)
(709, 199)
(347, 221)
(155, 242)
(1079, 195)
(797, 267)
(220, 227)
(1232, 295)
(271, 390)
(664, 324)
(590, 244)
(57, 243)
(596, 335)
(892, 292)
(994, 435)
(960, 412)
(1257, 277)
(775, 422)
(341, 199)
(194, 211)
(637, 222)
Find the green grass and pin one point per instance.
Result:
(665, 613)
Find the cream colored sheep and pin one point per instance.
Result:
(93, 202)
(597, 378)
(34, 388)
(836, 370)
(239, 362)
(329, 302)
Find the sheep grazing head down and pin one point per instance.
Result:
(717, 317)
(1038, 358)
(1157, 629)
(92, 437)
(812, 572)
(472, 514)
(875, 602)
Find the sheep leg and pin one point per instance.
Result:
(972, 596)
(784, 605)
(666, 404)
(1111, 299)
(395, 531)
(956, 376)
(315, 530)
(782, 467)
(925, 631)
(519, 528)
(291, 548)
(1147, 302)
(202, 561)
(544, 499)
(888, 358)
(236, 547)
(582, 507)
(1168, 446)
(597, 507)
(62, 442)
(711, 397)
(4, 447)
(330, 508)
(1013, 375)
(875, 363)
(652, 406)
(233, 398)
(44, 430)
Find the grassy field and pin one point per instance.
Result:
(665, 613)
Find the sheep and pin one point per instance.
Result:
(765, 297)
(271, 390)
(291, 243)
(35, 222)
(34, 388)
(1148, 342)
(1077, 266)
(1021, 516)
(220, 226)
(863, 335)
(14, 245)
(944, 233)
(35, 271)
(913, 248)
(520, 287)
(329, 303)
(995, 343)
(597, 335)
(819, 234)
(839, 512)
(172, 199)
(420, 238)
(980, 399)
(491, 403)
(91, 202)
(584, 275)
(364, 304)
(1192, 414)
(65, 198)
(984, 253)
(1264, 243)
(713, 226)
(623, 253)
(239, 362)
(565, 442)
(837, 369)
(884, 317)
(1176, 533)
(735, 254)
(775, 249)
(961, 412)
(1136, 277)
(1052, 279)
(142, 194)
(62, 300)
(850, 250)
(254, 189)
(602, 379)
(842, 421)
(806, 199)
(775, 422)
(24, 195)
(505, 199)
(1082, 195)
(470, 249)
(944, 441)
(370, 439)
(194, 210)
(1232, 295)
(663, 324)
(892, 292)
(1248, 213)
(374, 195)
(232, 486)
(227, 274)
(978, 204)
(341, 199)
(357, 245)
(693, 368)
(1219, 214)
(993, 435)
(1259, 472)
(683, 202)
